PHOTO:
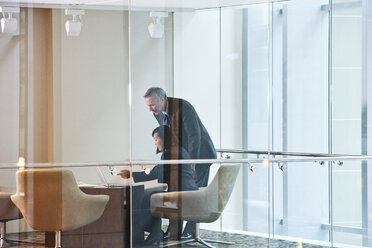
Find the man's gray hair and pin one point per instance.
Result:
(155, 91)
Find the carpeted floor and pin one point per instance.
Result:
(240, 240)
(36, 239)
(32, 239)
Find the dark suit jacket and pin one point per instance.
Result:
(187, 129)
(179, 177)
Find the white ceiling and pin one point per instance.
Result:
(134, 4)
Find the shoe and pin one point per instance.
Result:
(165, 236)
(153, 240)
(186, 236)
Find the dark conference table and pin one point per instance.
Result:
(112, 229)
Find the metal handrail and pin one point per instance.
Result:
(264, 161)
(275, 153)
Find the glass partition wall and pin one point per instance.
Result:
(213, 64)
(350, 77)
(300, 38)
(64, 103)
(274, 97)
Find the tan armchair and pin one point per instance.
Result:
(51, 201)
(8, 211)
(205, 205)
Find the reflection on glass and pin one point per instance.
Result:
(291, 75)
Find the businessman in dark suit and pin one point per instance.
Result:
(187, 131)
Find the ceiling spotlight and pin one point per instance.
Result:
(9, 23)
(156, 28)
(73, 27)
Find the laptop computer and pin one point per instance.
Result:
(108, 183)
(117, 181)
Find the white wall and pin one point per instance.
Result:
(91, 90)
(91, 78)
(151, 65)
(9, 106)
(10, 64)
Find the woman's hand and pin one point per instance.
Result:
(124, 174)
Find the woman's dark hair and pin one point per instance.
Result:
(164, 133)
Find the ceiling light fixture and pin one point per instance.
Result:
(9, 23)
(73, 27)
(156, 28)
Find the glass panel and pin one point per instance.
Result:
(90, 107)
(366, 112)
(64, 98)
(151, 66)
(300, 119)
(255, 122)
(350, 121)
(174, 43)
(216, 59)
(287, 76)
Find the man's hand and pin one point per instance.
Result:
(124, 174)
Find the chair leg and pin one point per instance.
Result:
(3, 234)
(58, 239)
(219, 242)
(4, 241)
(199, 240)
(3, 230)
(180, 243)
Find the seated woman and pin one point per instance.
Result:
(177, 177)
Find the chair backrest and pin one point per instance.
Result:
(219, 190)
(50, 199)
(204, 205)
